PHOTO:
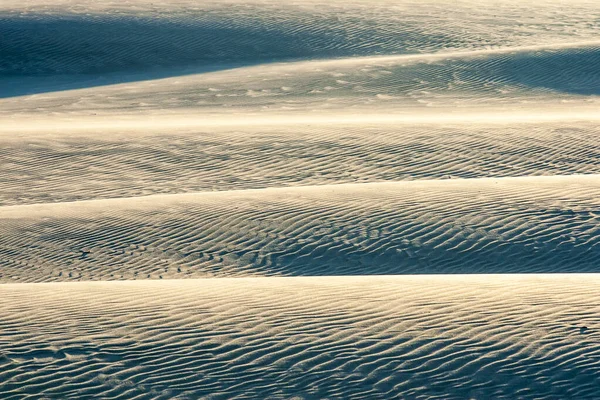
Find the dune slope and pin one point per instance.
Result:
(508, 79)
(534, 224)
(106, 42)
(305, 338)
(43, 167)
(299, 199)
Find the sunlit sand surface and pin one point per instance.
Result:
(488, 225)
(443, 337)
(299, 199)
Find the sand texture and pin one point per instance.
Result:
(277, 199)
(387, 337)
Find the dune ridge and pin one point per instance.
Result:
(83, 36)
(445, 83)
(357, 199)
(450, 337)
(53, 166)
(510, 225)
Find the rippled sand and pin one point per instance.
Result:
(299, 200)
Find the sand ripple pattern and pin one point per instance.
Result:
(511, 225)
(455, 81)
(41, 38)
(268, 199)
(81, 166)
(303, 338)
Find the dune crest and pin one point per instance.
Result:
(488, 225)
(299, 199)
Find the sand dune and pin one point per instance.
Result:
(343, 171)
(356, 337)
(453, 81)
(87, 42)
(45, 166)
(528, 225)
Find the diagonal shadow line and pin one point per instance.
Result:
(48, 53)
(15, 86)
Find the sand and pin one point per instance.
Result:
(486, 225)
(439, 337)
(299, 199)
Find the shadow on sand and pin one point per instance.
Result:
(52, 53)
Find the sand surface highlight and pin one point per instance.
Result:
(450, 337)
(299, 199)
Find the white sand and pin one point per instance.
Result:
(487, 225)
(446, 337)
(53, 165)
(196, 196)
